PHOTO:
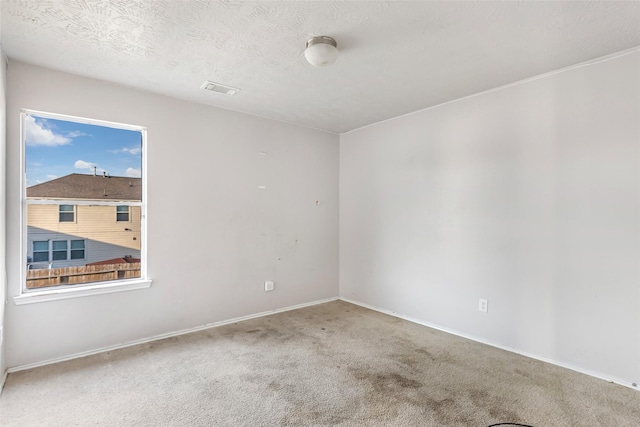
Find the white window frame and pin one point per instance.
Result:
(26, 296)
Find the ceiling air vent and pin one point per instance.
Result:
(217, 87)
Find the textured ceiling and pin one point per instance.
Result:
(396, 57)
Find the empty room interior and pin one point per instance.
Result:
(355, 213)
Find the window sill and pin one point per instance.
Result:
(77, 292)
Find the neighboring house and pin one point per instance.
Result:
(71, 234)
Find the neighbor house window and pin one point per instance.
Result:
(77, 173)
(122, 213)
(40, 251)
(77, 249)
(66, 213)
(59, 250)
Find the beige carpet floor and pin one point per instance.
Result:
(326, 365)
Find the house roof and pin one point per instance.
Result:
(88, 187)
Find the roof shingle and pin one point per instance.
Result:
(88, 187)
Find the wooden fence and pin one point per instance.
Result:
(84, 274)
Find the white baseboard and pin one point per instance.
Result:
(598, 375)
(163, 336)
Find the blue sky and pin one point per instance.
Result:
(55, 148)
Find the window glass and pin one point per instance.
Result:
(59, 250)
(122, 213)
(77, 249)
(40, 252)
(60, 245)
(66, 213)
(77, 244)
(78, 172)
(41, 256)
(40, 246)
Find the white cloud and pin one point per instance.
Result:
(76, 133)
(133, 151)
(52, 176)
(133, 173)
(37, 134)
(81, 164)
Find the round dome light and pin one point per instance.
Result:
(321, 51)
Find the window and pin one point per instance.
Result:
(59, 250)
(122, 213)
(77, 249)
(77, 172)
(41, 251)
(66, 213)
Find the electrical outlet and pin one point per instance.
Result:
(268, 285)
(483, 305)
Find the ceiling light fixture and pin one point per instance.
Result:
(321, 51)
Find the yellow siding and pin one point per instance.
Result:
(91, 222)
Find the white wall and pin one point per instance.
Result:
(3, 275)
(214, 236)
(528, 196)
